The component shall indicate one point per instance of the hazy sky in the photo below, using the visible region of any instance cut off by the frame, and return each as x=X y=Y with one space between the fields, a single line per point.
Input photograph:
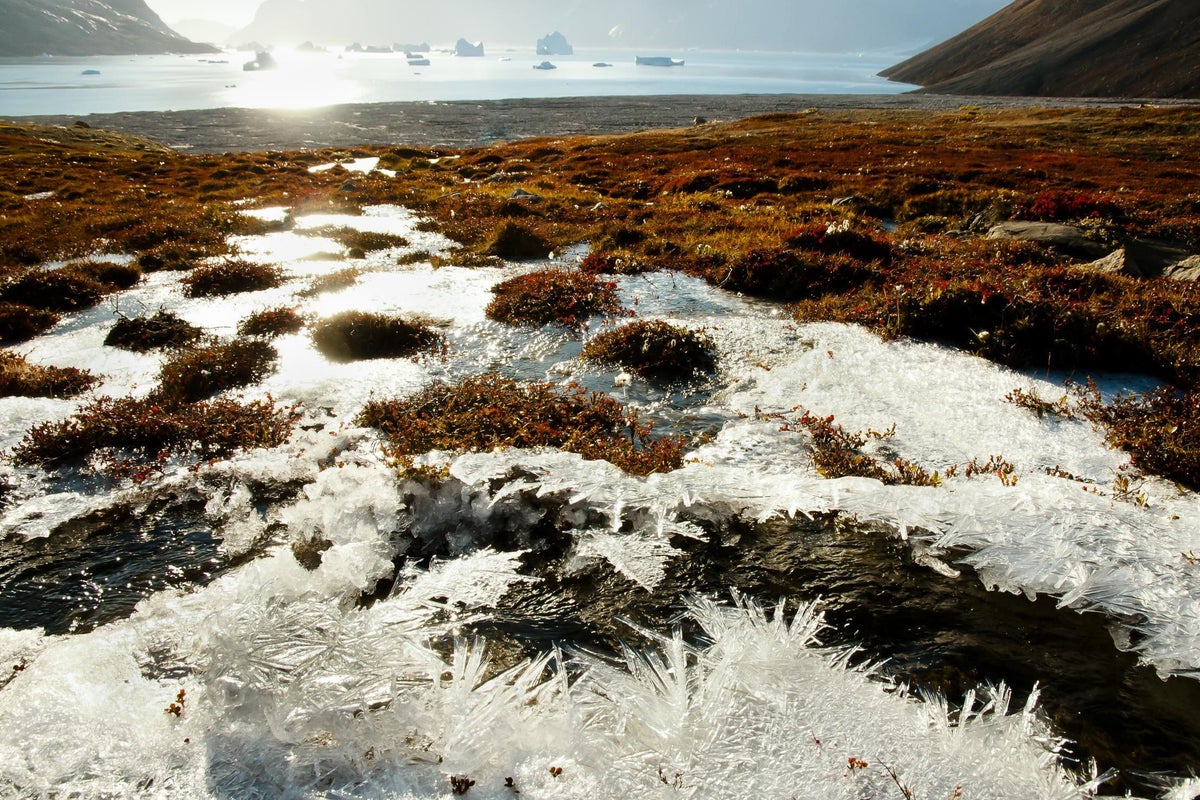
x=235 y=13
x=844 y=23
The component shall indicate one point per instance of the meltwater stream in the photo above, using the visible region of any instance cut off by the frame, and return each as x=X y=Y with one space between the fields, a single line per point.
x=324 y=628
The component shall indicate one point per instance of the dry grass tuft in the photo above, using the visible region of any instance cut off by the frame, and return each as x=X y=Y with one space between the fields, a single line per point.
x=134 y=437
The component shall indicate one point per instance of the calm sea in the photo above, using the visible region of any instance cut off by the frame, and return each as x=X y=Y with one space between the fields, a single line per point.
x=60 y=85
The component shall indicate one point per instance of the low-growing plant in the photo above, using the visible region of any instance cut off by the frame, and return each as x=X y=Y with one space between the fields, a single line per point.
x=133 y=436
x=838 y=453
x=272 y=322
x=561 y=296
x=482 y=413
x=515 y=242
x=1034 y=402
x=171 y=256
x=414 y=257
x=354 y=335
x=53 y=290
x=110 y=275
x=20 y=323
x=357 y=242
x=785 y=275
x=839 y=237
x=1160 y=430
x=141 y=334
x=201 y=371
x=654 y=349
x=231 y=276
x=19 y=378
x=331 y=282
x=996 y=465
x=1058 y=205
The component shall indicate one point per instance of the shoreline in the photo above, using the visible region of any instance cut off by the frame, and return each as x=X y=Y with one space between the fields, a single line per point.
x=466 y=123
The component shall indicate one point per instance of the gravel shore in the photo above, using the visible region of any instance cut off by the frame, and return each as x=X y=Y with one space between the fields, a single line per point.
x=466 y=123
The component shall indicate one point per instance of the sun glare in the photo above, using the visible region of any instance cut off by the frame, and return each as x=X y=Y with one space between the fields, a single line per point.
x=299 y=81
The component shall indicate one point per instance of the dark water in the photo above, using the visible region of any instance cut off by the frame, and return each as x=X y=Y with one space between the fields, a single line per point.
x=935 y=633
x=98 y=568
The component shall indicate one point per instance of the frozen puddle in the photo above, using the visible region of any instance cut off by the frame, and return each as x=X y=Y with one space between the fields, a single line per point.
x=303 y=665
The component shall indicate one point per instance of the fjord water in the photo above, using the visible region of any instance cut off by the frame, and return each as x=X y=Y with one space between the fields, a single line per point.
x=58 y=85
x=327 y=628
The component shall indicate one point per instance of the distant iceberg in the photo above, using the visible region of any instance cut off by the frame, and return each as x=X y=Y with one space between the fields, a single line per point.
x=464 y=48
x=262 y=60
x=554 y=44
x=658 y=61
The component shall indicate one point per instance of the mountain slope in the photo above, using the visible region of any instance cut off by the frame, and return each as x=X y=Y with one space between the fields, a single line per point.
x=85 y=28
x=1069 y=48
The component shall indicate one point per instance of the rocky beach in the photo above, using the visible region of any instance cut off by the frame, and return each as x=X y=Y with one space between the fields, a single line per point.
x=468 y=123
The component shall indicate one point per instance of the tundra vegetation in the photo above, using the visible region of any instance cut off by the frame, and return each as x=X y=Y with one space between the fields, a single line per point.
x=654 y=349
x=355 y=335
x=876 y=217
x=480 y=413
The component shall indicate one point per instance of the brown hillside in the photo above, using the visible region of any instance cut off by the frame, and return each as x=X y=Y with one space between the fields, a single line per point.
x=1069 y=48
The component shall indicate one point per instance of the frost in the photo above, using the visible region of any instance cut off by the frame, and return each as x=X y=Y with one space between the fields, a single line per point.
x=334 y=657
x=642 y=560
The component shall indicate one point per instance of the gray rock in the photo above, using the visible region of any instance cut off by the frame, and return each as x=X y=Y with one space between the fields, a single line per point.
x=1066 y=238
x=1115 y=263
x=522 y=194
x=1186 y=270
x=1145 y=258
x=1153 y=257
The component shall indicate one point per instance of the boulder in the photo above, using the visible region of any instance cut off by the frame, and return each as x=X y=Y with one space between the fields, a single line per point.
x=1116 y=263
x=1145 y=258
x=1186 y=270
x=1067 y=238
x=1154 y=256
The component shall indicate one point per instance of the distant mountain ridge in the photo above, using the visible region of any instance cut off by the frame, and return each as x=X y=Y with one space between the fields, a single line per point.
x=788 y=25
x=1069 y=48
x=87 y=28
